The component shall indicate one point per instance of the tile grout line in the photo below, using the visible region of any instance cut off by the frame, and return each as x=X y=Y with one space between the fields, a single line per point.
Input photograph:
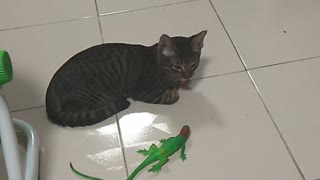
x=229 y=37
x=48 y=23
x=25 y=109
x=260 y=96
x=277 y=128
x=122 y=145
x=99 y=22
x=217 y=75
x=98 y=15
x=144 y=8
x=286 y=62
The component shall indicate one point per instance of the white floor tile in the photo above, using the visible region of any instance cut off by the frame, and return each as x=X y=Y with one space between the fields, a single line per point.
x=114 y=6
x=269 y=32
x=291 y=92
x=16 y=13
x=232 y=134
x=93 y=150
x=146 y=26
x=37 y=52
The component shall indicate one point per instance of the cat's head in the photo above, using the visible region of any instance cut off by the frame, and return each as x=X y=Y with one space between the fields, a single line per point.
x=179 y=57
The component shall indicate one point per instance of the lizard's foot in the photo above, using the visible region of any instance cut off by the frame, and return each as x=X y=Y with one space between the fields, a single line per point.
x=144 y=152
x=155 y=168
x=162 y=140
x=183 y=157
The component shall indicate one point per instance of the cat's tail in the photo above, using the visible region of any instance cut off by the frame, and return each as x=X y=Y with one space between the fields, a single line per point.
x=57 y=116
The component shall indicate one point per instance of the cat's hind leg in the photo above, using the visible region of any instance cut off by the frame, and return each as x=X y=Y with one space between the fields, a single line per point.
x=84 y=112
x=110 y=108
x=158 y=96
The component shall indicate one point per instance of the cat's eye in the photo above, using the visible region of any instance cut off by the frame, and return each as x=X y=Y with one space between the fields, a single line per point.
x=194 y=65
x=177 y=68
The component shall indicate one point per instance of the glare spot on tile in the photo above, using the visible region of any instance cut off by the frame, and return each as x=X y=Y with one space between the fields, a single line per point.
x=135 y=164
x=115 y=168
x=106 y=157
x=144 y=144
x=133 y=125
x=163 y=127
x=107 y=130
x=137 y=121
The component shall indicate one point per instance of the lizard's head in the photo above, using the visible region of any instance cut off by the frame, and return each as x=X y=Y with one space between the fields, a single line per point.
x=185 y=131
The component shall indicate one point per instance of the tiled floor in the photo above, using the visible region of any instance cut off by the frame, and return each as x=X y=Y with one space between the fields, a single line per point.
x=253 y=105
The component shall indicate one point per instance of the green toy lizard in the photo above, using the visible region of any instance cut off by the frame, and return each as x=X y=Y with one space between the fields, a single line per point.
x=169 y=146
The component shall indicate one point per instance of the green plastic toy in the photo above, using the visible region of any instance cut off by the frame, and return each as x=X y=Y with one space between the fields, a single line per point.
x=168 y=147
x=6 y=73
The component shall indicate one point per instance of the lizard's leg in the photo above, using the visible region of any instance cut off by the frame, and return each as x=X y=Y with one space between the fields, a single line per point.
x=145 y=152
x=157 y=167
x=165 y=140
x=158 y=96
x=182 y=154
x=162 y=140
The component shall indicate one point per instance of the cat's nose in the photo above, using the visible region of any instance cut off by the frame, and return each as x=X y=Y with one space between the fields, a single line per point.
x=186 y=75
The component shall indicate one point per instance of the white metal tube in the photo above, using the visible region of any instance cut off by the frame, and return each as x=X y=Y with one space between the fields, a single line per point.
x=9 y=142
x=32 y=156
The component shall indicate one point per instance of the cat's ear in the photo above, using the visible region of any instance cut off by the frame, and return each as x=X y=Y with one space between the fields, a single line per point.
x=197 y=41
x=165 y=46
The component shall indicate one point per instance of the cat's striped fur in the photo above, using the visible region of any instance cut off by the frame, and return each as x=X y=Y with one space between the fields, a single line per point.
x=95 y=83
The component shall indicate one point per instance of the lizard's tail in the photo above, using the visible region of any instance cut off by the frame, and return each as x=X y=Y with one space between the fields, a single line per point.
x=144 y=164
x=83 y=175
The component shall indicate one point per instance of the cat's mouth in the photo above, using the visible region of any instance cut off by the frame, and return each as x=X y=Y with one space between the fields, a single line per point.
x=183 y=82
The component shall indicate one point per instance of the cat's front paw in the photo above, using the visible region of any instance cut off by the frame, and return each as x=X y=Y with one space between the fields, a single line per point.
x=170 y=96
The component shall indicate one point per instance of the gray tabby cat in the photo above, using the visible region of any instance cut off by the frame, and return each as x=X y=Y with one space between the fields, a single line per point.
x=95 y=83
